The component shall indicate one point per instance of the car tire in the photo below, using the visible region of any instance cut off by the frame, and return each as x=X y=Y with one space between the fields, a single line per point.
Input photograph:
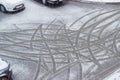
x=2 y=9
x=44 y=2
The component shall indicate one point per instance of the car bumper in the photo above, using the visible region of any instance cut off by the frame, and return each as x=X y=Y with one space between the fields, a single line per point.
x=54 y=1
x=5 y=73
x=6 y=76
x=16 y=8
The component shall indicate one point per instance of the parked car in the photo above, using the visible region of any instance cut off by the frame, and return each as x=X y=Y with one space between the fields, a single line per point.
x=5 y=73
x=45 y=2
x=11 y=5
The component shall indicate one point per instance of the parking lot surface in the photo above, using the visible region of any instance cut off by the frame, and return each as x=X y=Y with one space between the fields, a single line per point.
x=42 y=42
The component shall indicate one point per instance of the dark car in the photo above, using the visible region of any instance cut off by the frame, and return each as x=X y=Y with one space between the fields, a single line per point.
x=45 y=2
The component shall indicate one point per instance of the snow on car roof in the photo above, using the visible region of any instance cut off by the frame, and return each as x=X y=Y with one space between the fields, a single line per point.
x=104 y=1
x=3 y=64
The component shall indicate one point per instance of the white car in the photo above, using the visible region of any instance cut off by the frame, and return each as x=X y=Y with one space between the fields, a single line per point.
x=51 y=1
x=11 y=5
x=5 y=73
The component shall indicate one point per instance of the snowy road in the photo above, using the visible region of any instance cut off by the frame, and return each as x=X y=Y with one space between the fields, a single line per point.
x=103 y=1
x=21 y=45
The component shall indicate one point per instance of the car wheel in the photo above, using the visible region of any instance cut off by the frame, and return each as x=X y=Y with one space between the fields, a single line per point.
x=3 y=9
x=44 y=2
